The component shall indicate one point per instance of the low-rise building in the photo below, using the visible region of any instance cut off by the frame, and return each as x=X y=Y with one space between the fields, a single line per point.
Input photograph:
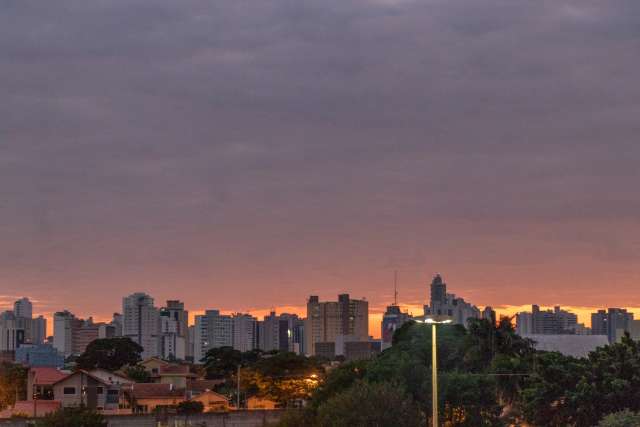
x=212 y=401
x=41 y=355
x=82 y=388
x=569 y=345
x=145 y=398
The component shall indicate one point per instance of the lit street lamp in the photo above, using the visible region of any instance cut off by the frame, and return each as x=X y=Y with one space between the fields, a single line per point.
x=434 y=320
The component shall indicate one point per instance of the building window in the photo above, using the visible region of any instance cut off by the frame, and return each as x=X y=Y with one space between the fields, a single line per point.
x=99 y=390
x=69 y=390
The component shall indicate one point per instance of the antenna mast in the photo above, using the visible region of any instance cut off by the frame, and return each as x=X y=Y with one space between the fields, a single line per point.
x=395 y=287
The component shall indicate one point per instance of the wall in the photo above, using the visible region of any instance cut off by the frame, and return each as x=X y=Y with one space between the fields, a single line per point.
x=232 y=419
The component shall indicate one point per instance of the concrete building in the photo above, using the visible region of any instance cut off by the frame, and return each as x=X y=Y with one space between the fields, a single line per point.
x=174 y=324
x=245 y=333
x=568 y=344
x=326 y=320
x=12 y=335
x=548 y=322
x=607 y=322
x=173 y=346
x=633 y=329
x=63 y=323
x=38 y=330
x=40 y=355
x=23 y=308
x=489 y=314
x=445 y=304
x=212 y=330
x=83 y=333
x=392 y=319
x=141 y=322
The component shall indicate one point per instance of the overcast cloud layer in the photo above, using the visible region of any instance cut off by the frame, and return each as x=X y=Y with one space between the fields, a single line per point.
x=244 y=154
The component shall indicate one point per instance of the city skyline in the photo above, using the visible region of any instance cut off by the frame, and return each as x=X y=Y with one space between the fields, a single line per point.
x=375 y=311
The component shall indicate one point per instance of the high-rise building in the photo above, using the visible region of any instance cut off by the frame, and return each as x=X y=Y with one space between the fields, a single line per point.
x=12 y=336
x=445 y=304
x=245 y=333
x=63 y=325
x=72 y=335
x=326 y=320
x=489 y=314
x=173 y=346
x=392 y=319
x=610 y=322
x=174 y=331
x=38 y=330
x=23 y=308
x=212 y=330
x=548 y=322
x=141 y=322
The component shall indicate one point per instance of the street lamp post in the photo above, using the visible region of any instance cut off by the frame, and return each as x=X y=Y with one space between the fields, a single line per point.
x=433 y=321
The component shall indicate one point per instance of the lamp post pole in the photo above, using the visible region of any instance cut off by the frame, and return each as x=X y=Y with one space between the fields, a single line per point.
x=434 y=321
x=434 y=375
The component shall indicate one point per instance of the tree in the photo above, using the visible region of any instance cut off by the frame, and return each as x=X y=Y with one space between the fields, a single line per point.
x=222 y=362
x=72 y=417
x=110 y=354
x=138 y=373
x=190 y=407
x=624 y=418
x=365 y=404
x=13 y=384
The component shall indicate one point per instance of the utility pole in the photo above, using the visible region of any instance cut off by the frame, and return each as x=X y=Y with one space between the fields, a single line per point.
x=238 y=397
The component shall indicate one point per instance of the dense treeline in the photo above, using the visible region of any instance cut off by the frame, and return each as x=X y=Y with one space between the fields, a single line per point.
x=488 y=375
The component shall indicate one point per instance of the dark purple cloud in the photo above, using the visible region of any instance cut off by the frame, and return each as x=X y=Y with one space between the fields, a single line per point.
x=210 y=150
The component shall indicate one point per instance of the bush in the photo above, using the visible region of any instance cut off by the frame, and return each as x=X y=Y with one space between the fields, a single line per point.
x=624 y=418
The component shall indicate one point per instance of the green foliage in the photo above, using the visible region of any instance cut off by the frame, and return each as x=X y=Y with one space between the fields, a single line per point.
x=13 y=383
x=624 y=418
x=110 y=354
x=365 y=404
x=580 y=392
x=222 y=362
x=282 y=377
x=138 y=373
x=72 y=417
x=190 y=407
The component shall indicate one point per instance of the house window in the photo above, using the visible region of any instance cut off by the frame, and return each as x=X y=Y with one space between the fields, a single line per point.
x=69 y=390
x=99 y=390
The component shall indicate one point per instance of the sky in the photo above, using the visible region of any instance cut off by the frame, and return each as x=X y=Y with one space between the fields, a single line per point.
x=243 y=155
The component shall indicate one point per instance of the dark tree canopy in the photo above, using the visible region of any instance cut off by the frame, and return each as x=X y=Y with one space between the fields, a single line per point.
x=190 y=407
x=13 y=383
x=110 y=353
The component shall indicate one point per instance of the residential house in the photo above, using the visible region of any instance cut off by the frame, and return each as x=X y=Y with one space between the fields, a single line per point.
x=212 y=401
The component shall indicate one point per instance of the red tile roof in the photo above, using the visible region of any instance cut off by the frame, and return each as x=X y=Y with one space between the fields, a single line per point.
x=149 y=390
x=46 y=376
x=200 y=386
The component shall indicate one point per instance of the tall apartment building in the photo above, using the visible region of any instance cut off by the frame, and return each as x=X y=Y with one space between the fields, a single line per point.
x=12 y=336
x=392 y=319
x=608 y=322
x=245 y=332
x=23 y=308
x=35 y=330
x=327 y=320
x=141 y=322
x=174 y=331
x=445 y=304
x=63 y=324
x=548 y=322
x=72 y=335
x=212 y=330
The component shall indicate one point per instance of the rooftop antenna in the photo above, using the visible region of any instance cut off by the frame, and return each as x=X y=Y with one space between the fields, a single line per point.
x=395 y=287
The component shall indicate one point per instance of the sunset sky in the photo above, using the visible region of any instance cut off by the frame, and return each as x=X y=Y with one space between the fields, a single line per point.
x=243 y=154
